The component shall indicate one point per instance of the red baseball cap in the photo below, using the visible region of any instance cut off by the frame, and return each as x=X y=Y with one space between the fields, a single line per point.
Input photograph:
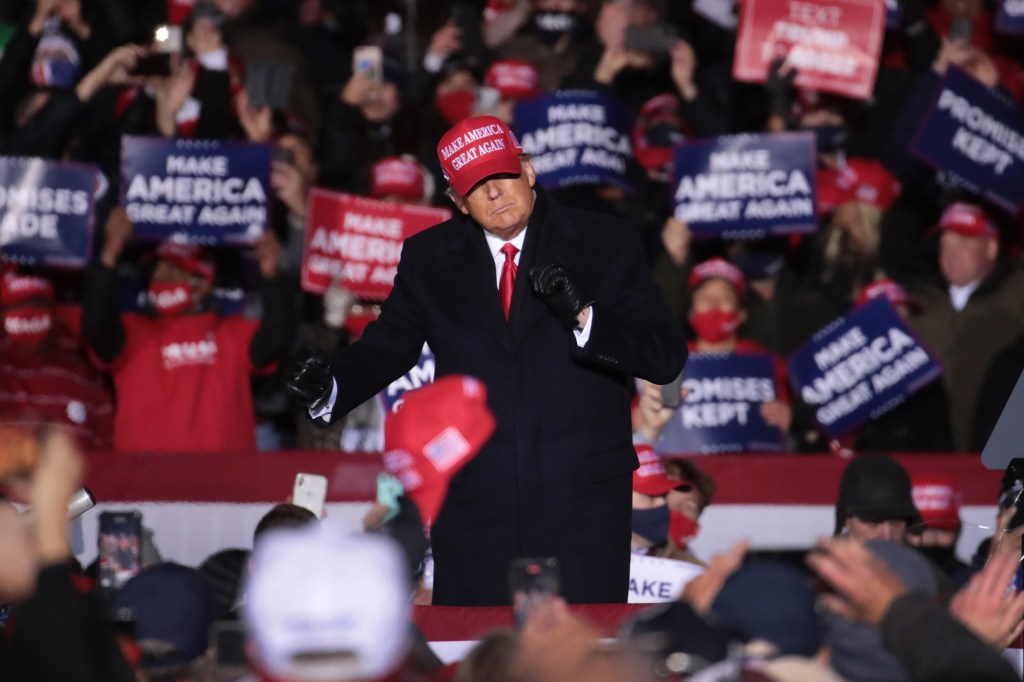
x=188 y=257
x=650 y=479
x=658 y=127
x=513 y=79
x=968 y=220
x=436 y=431
x=937 y=500
x=896 y=294
x=397 y=176
x=15 y=288
x=475 y=148
x=864 y=180
x=719 y=268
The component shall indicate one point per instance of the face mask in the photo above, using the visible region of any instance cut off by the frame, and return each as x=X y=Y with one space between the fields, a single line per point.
x=939 y=556
x=715 y=326
x=170 y=298
x=455 y=105
x=651 y=524
x=553 y=25
x=682 y=529
x=829 y=138
x=28 y=325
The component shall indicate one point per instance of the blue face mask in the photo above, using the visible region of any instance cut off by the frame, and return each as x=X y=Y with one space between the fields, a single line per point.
x=652 y=524
x=830 y=138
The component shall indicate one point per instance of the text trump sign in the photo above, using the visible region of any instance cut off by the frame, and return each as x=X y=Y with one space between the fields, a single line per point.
x=359 y=241
x=833 y=44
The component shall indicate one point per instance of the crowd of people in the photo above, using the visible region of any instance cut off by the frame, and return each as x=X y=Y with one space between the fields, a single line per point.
x=884 y=599
x=161 y=321
x=167 y=347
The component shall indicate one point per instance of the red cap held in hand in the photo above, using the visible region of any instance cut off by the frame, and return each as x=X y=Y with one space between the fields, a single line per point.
x=437 y=430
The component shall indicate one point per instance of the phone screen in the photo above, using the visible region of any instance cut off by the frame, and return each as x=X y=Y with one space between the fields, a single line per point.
x=368 y=59
x=531 y=582
x=120 y=542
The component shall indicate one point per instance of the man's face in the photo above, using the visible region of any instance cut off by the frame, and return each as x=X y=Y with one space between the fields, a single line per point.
x=889 y=529
x=501 y=203
x=964 y=260
x=382 y=103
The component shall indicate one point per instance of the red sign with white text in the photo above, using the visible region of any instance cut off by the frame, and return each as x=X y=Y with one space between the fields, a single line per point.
x=833 y=44
x=359 y=241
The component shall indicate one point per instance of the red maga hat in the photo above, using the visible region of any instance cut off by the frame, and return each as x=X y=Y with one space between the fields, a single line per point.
x=476 y=148
x=513 y=79
x=719 y=268
x=937 y=500
x=896 y=294
x=435 y=432
x=15 y=288
x=397 y=176
x=650 y=478
x=968 y=220
x=864 y=180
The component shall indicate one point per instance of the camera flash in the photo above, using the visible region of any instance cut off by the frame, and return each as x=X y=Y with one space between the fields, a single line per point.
x=161 y=34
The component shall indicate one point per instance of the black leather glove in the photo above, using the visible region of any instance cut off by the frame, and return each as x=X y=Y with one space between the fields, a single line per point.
x=309 y=379
x=779 y=87
x=563 y=296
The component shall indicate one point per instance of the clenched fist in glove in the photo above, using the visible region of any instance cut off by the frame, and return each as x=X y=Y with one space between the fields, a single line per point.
x=564 y=297
x=309 y=379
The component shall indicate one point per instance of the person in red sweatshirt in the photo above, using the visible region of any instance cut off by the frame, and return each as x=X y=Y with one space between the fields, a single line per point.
x=42 y=380
x=181 y=371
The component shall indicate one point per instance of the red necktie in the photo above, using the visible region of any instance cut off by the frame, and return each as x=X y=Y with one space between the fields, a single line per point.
x=508 y=276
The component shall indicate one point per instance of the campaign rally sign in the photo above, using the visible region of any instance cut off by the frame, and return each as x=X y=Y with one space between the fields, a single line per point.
x=198 y=191
x=576 y=137
x=860 y=366
x=977 y=137
x=417 y=377
x=833 y=44
x=653 y=580
x=1010 y=16
x=746 y=186
x=359 y=241
x=46 y=211
x=722 y=412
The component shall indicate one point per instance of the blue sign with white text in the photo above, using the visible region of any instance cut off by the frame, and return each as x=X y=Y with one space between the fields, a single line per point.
x=746 y=186
x=199 y=191
x=417 y=377
x=722 y=412
x=860 y=366
x=46 y=212
x=576 y=137
x=977 y=137
x=1010 y=16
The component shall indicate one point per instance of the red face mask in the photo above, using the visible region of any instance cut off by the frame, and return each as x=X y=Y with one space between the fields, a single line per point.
x=455 y=105
x=170 y=298
x=28 y=325
x=715 y=326
x=681 y=529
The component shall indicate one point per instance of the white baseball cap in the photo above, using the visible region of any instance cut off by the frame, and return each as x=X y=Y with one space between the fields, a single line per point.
x=326 y=607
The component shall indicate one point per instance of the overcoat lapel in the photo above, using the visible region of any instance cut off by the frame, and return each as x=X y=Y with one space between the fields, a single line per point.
x=550 y=238
x=472 y=269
